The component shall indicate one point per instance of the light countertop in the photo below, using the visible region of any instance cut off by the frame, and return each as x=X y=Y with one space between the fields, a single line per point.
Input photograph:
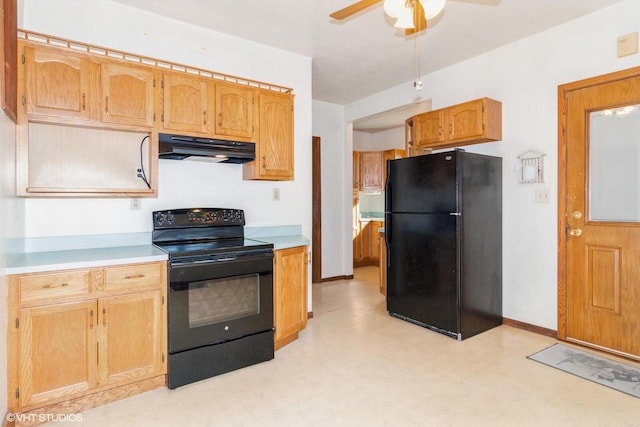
x=35 y=262
x=70 y=252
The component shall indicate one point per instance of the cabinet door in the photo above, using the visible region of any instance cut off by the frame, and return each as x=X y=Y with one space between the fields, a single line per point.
x=185 y=103
x=130 y=340
x=57 y=352
x=127 y=94
x=365 y=233
x=56 y=84
x=274 y=150
x=371 y=170
x=374 y=240
x=427 y=129
x=235 y=111
x=465 y=120
x=290 y=293
x=390 y=155
x=356 y=171
x=357 y=240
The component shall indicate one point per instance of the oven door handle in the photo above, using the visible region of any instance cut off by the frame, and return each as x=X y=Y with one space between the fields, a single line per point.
x=201 y=262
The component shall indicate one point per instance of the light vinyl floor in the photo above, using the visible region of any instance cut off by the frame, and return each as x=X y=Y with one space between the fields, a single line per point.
x=354 y=365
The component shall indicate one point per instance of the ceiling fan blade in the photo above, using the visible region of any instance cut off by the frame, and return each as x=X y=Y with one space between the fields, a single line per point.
x=353 y=9
x=419 y=20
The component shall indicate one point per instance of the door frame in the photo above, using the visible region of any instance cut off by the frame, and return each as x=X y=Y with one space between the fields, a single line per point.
x=563 y=91
x=316 y=222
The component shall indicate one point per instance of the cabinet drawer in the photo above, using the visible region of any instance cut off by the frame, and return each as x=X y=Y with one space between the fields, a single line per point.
x=46 y=286
x=133 y=276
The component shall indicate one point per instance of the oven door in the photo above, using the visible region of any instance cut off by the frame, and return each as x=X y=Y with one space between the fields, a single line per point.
x=221 y=299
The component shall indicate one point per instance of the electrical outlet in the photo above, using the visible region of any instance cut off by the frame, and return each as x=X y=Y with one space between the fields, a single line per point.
x=138 y=173
x=543 y=195
x=276 y=194
x=135 y=203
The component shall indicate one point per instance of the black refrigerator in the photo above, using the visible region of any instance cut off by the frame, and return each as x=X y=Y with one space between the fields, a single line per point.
x=443 y=229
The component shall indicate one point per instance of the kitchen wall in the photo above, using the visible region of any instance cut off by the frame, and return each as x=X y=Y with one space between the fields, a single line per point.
x=186 y=183
x=525 y=76
x=328 y=124
x=11 y=232
x=379 y=141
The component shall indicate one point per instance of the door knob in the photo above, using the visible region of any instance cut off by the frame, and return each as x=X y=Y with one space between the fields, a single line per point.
x=577 y=215
x=575 y=232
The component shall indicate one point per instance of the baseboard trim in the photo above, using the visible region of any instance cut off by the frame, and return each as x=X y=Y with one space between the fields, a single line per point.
x=529 y=327
x=335 y=278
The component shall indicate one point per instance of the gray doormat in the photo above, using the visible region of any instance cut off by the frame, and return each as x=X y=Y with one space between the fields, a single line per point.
x=615 y=375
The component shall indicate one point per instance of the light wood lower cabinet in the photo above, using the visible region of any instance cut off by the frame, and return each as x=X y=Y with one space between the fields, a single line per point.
x=290 y=293
x=57 y=352
x=96 y=343
x=367 y=242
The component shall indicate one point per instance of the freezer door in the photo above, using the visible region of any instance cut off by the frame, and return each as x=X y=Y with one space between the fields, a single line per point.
x=422 y=184
x=422 y=280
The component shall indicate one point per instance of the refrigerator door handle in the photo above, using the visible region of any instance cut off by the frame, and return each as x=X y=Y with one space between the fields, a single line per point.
x=455 y=213
x=387 y=230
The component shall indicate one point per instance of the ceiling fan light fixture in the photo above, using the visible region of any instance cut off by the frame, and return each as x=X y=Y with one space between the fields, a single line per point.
x=432 y=8
x=393 y=8
x=405 y=20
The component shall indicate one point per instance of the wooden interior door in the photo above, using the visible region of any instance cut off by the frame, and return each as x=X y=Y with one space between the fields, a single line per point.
x=599 y=213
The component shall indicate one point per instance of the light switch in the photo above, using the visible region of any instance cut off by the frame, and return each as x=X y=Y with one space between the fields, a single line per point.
x=627 y=44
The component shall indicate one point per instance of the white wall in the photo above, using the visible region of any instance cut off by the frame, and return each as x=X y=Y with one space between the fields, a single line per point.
x=379 y=141
x=328 y=124
x=525 y=76
x=186 y=183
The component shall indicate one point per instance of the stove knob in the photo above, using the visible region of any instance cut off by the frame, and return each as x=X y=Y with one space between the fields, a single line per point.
x=160 y=218
x=170 y=218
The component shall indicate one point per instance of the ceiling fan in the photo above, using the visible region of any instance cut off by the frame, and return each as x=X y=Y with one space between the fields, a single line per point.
x=412 y=15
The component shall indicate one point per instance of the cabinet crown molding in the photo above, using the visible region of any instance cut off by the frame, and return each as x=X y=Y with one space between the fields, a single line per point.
x=75 y=46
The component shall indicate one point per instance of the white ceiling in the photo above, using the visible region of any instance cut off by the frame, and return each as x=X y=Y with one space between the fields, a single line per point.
x=365 y=53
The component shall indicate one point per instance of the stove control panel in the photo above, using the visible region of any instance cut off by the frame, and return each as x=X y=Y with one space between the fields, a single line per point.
x=210 y=217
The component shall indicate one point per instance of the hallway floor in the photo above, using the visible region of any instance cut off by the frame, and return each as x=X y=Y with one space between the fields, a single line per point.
x=354 y=365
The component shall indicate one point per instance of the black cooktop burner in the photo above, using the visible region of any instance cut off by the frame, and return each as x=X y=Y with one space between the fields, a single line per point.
x=183 y=249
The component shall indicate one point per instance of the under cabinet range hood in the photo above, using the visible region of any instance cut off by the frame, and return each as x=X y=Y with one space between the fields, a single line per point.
x=180 y=147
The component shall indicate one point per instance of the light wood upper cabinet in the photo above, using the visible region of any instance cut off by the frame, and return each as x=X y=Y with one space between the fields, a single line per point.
x=471 y=122
x=58 y=352
x=274 y=146
x=187 y=103
x=236 y=111
x=428 y=129
x=356 y=171
x=127 y=94
x=290 y=293
x=390 y=155
x=56 y=83
x=371 y=171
